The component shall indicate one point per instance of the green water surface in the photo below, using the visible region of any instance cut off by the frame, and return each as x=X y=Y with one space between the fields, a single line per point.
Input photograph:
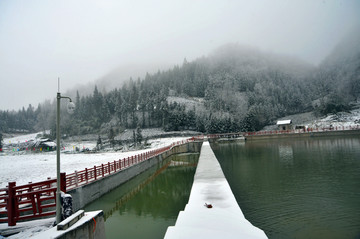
x=147 y=205
x=306 y=188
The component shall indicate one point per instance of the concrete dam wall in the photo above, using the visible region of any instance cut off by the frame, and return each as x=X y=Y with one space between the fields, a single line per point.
x=89 y=192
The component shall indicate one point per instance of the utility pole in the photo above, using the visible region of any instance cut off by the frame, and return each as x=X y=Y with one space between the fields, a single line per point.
x=70 y=107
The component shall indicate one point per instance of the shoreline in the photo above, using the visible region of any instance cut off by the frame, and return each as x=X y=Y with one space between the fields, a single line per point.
x=303 y=135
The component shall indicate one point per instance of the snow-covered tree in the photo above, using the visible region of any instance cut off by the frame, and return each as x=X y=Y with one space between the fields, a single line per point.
x=1 y=142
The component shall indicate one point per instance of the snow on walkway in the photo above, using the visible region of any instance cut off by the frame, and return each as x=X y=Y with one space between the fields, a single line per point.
x=35 y=167
x=224 y=219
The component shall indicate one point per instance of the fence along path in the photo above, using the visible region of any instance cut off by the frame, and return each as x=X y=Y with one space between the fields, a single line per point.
x=88 y=175
x=35 y=200
x=30 y=201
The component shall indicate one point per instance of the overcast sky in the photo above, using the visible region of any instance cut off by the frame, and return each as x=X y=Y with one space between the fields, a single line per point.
x=80 y=41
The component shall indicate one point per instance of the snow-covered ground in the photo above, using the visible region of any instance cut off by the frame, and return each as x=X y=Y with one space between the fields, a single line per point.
x=21 y=138
x=189 y=103
x=340 y=119
x=35 y=167
x=24 y=167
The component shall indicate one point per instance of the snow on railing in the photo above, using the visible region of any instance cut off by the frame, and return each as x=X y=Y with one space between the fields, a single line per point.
x=88 y=175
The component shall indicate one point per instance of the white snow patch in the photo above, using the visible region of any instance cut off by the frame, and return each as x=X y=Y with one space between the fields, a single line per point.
x=35 y=167
x=21 y=138
x=190 y=103
x=283 y=122
x=337 y=120
x=27 y=229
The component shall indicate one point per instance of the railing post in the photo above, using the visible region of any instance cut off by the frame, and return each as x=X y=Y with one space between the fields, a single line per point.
x=86 y=175
x=102 y=170
x=76 y=179
x=63 y=182
x=114 y=165
x=29 y=190
x=11 y=210
x=95 y=172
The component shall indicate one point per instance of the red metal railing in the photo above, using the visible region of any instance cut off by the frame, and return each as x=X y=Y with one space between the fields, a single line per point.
x=88 y=175
x=33 y=200
x=36 y=200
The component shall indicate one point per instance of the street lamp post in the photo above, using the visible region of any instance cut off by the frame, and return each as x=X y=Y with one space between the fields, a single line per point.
x=58 y=194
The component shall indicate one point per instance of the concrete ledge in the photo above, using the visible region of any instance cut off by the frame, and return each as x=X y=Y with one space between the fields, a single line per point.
x=91 y=226
x=68 y=222
x=224 y=219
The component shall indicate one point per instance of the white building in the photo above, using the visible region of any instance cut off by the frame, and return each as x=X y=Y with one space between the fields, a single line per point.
x=284 y=124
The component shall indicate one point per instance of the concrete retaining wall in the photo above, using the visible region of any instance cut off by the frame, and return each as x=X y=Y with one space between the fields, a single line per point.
x=88 y=193
x=304 y=135
x=90 y=226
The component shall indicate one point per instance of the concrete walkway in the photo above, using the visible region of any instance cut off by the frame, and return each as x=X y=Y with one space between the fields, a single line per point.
x=224 y=218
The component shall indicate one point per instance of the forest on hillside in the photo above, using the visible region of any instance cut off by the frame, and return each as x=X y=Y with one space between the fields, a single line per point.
x=238 y=89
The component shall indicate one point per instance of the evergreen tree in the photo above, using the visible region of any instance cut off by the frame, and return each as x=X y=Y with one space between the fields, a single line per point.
x=99 y=143
x=139 y=136
x=111 y=137
x=134 y=137
x=1 y=144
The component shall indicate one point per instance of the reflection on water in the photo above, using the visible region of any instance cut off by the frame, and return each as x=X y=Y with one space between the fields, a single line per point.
x=286 y=154
x=305 y=188
x=145 y=206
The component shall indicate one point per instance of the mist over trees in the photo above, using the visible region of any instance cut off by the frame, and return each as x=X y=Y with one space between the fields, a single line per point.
x=337 y=79
x=234 y=89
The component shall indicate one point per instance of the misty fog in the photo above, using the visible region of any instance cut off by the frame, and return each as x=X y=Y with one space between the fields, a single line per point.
x=85 y=42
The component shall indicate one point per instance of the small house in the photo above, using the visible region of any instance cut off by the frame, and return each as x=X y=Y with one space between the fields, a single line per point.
x=284 y=124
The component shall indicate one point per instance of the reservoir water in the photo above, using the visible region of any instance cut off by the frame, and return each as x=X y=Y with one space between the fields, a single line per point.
x=148 y=204
x=296 y=188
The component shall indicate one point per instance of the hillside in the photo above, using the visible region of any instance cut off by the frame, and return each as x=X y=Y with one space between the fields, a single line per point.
x=235 y=88
x=336 y=81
